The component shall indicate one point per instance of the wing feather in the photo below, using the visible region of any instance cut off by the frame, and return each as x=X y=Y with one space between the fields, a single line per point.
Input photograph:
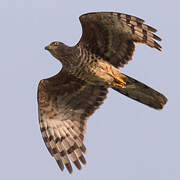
x=112 y=35
x=65 y=103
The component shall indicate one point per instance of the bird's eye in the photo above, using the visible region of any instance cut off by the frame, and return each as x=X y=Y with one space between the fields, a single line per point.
x=56 y=43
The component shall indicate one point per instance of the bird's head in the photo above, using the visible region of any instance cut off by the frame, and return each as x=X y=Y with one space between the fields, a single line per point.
x=58 y=50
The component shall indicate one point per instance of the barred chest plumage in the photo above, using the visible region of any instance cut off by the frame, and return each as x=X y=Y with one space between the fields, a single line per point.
x=91 y=68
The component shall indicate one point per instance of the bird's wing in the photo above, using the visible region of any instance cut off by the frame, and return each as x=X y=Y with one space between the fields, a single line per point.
x=65 y=103
x=112 y=36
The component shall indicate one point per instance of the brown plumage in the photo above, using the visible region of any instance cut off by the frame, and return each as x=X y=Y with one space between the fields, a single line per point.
x=89 y=69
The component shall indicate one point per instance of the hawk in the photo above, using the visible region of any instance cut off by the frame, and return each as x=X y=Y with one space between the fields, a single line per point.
x=66 y=100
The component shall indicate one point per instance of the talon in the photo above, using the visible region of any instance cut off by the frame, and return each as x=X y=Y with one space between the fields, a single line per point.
x=119 y=83
x=122 y=86
x=122 y=81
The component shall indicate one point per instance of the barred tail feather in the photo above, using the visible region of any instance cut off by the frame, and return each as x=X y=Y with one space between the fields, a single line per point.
x=142 y=93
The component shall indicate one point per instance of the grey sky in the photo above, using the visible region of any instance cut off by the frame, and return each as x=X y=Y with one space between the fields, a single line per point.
x=125 y=139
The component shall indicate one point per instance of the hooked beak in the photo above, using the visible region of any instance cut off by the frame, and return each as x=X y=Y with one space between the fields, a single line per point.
x=47 y=48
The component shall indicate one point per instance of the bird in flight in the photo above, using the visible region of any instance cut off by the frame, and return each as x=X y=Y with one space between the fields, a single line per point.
x=90 y=68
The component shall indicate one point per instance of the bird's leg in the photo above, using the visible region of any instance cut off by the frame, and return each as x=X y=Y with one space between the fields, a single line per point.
x=119 y=82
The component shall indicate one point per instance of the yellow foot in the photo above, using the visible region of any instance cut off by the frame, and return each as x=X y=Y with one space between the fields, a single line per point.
x=119 y=83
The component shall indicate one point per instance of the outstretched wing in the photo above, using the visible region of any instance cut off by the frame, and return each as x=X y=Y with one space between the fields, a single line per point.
x=65 y=103
x=112 y=36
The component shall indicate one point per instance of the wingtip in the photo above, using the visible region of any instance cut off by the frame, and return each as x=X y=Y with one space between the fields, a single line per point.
x=157 y=46
x=69 y=168
x=77 y=164
x=82 y=159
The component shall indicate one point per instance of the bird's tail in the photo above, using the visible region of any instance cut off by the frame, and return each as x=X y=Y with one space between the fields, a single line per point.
x=141 y=93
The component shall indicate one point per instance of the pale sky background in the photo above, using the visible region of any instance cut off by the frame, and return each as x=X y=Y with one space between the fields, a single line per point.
x=125 y=140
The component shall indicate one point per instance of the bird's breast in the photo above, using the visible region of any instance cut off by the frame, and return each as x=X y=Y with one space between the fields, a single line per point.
x=94 y=71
